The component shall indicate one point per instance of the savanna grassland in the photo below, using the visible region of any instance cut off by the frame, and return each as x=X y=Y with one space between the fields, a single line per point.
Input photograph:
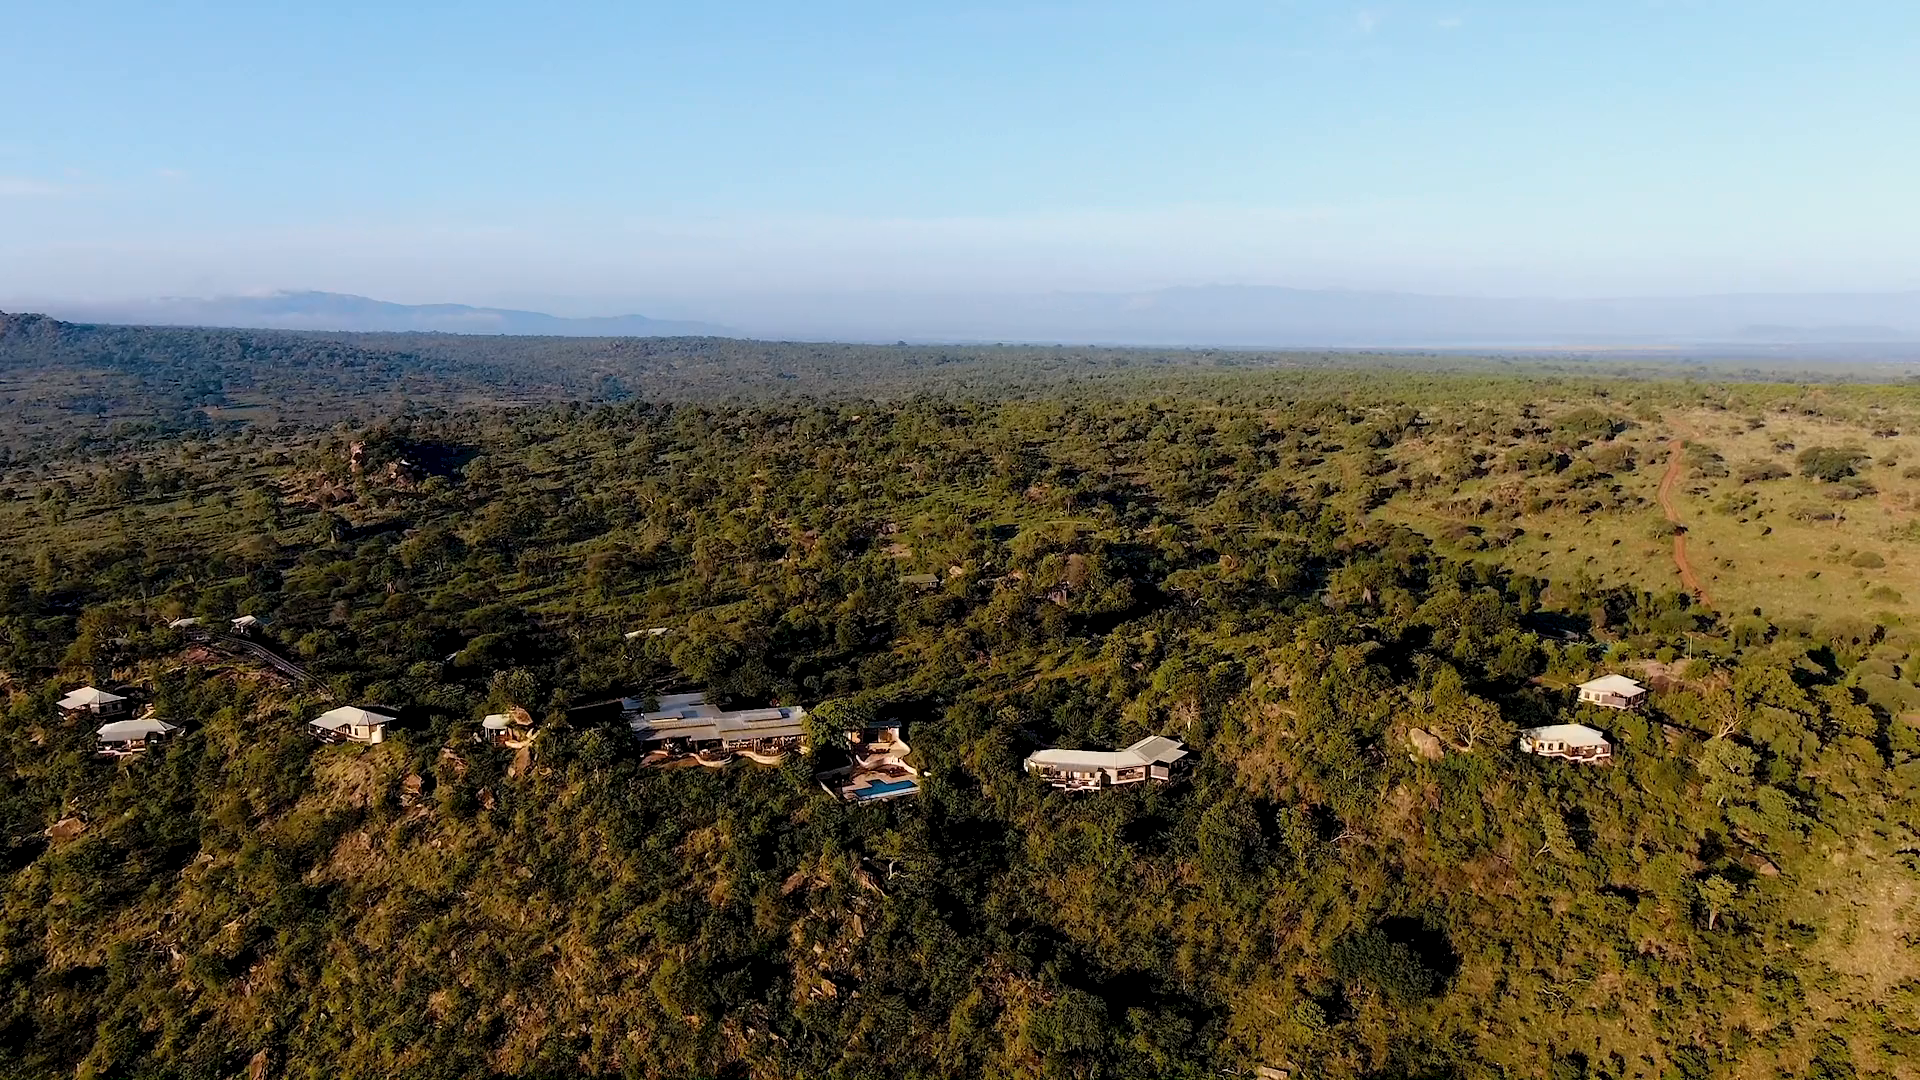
x=1288 y=561
x=1762 y=532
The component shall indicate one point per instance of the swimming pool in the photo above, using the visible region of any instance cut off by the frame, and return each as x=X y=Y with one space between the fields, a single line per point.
x=881 y=791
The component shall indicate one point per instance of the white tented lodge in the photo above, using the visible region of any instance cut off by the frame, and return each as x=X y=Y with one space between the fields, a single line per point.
x=1613 y=692
x=1152 y=758
x=1573 y=742
x=350 y=723
x=91 y=701
x=123 y=737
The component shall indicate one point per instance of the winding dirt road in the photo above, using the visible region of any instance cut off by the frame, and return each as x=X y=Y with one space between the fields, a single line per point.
x=1676 y=461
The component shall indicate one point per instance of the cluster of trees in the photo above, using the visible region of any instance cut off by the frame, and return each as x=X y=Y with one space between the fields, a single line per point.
x=1200 y=563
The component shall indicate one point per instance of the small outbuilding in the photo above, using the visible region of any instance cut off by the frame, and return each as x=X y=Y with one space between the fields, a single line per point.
x=350 y=723
x=123 y=737
x=248 y=625
x=1572 y=742
x=90 y=701
x=1613 y=692
x=512 y=729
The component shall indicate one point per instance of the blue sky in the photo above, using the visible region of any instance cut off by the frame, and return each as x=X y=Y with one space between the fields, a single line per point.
x=579 y=155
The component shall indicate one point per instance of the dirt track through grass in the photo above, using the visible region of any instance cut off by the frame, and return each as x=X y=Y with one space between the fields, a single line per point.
x=1676 y=463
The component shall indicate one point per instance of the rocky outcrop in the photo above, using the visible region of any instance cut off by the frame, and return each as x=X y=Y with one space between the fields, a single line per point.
x=1426 y=747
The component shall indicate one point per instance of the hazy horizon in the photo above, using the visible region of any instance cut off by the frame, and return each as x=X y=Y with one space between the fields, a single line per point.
x=1232 y=316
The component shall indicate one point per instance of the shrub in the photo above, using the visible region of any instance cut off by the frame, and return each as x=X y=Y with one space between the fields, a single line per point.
x=1873 y=665
x=1588 y=422
x=1887 y=694
x=1391 y=967
x=1829 y=463
x=1611 y=457
x=1706 y=461
x=1867 y=560
x=1534 y=459
x=1074 y=1022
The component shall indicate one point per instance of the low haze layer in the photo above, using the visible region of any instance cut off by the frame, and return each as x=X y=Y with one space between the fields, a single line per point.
x=1225 y=316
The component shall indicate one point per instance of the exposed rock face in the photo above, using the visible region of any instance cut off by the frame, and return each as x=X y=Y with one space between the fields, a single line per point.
x=66 y=829
x=1425 y=745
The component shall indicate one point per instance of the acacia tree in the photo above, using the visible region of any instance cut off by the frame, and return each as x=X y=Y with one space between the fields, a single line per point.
x=1727 y=769
x=1716 y=893
x=1557 y=840
x=1829 y=463
x=1726 y=712
x=827 y=723
x=1475 y=720
x=1463 y=719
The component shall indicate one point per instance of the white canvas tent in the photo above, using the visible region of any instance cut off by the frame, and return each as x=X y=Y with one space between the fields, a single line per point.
x=89 y=699
x=350 y=723
x=1613 y=692
x=1573 y=742
x=133 y=736
x=513 y=728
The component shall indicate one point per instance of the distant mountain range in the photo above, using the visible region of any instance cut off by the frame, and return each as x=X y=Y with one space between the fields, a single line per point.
x=341 y=311
x=1259 y=316
x=1216 y=315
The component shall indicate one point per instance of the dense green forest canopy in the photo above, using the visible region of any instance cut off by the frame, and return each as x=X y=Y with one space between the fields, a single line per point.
x=65 y=386
x=1196 y=553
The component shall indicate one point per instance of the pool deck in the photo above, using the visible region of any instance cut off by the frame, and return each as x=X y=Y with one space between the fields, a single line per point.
x=879 y=786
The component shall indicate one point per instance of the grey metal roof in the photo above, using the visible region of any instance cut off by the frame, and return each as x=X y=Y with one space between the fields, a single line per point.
x=87 y=697
x=1152 y=750
x=1158 y=749
x=125 y=730
x=350 y=716
x=689 y=716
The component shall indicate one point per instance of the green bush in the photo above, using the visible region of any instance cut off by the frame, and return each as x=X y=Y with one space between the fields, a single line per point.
x=1830 y=463
x=1759 y=471
x=1371 y=958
